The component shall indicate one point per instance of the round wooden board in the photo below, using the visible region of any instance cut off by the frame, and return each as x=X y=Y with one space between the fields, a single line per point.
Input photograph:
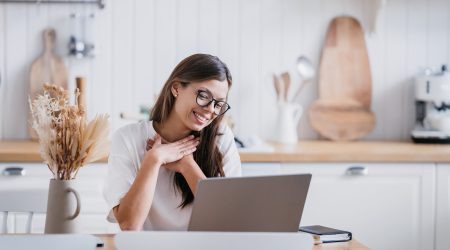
x=341 y=121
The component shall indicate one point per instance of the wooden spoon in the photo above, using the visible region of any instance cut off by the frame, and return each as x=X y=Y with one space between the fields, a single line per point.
x=277 y=86
x=286 y=77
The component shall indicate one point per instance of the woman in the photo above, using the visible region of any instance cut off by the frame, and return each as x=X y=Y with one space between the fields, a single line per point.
x=154 y=166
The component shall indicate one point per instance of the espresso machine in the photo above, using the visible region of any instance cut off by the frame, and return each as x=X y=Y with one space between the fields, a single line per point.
x=432 y=94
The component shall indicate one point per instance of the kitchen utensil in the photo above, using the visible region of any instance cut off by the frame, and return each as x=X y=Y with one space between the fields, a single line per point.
x=276 y=85
x=81 y=41
x=81 y=100
x=279 y=87
x=286 y=81
x=343 y=109
x=345 y=70
x=47 y=68
x=307 y=73
x=305 y=67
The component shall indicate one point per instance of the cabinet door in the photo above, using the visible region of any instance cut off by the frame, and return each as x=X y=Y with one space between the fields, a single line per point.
x=34 y=176
x=443 y=207
x=385 y=206
x=10 y=223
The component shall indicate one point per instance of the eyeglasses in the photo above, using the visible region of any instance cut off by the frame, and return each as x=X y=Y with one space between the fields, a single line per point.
x=204 y=99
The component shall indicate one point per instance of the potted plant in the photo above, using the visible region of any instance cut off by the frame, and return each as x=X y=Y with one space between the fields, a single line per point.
x=67 y=143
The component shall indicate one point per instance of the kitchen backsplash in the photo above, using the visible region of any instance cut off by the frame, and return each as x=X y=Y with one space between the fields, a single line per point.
x=139 y=42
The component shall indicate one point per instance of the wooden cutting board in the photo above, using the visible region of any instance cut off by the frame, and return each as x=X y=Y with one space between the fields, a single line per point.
x=345 y=87
x=47 y=68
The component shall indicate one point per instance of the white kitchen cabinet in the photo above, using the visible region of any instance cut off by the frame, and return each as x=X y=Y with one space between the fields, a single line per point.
x=386 y=206
x=89 y=184
x=443 y=207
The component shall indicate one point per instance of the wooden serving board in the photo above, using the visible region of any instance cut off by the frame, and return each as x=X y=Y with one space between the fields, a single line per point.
x=345 y=87
x=341 y=121
x=47 y=68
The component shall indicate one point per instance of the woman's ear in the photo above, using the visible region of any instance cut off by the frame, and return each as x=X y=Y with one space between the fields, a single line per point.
x=174 y=89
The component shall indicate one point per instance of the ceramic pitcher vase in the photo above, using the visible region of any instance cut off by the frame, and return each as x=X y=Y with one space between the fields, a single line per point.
x=63 y=207
x=288 y=116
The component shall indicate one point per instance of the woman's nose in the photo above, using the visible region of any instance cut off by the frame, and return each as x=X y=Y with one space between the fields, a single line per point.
x=210 y=107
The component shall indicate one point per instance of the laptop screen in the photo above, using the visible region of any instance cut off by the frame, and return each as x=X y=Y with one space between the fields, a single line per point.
x=250 y=204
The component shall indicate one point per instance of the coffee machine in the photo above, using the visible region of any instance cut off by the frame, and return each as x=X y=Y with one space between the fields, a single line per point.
x=432 y=94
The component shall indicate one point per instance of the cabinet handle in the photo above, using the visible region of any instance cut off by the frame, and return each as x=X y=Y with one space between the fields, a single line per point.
x=357 y=171
x=14 y=171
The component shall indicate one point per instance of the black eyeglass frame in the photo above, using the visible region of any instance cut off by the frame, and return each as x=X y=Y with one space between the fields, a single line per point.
x=211 y=99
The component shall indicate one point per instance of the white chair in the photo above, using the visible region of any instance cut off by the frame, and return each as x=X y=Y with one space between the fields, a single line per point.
x=28 y=201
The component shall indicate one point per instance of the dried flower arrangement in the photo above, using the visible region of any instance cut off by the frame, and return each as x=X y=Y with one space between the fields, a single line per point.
x=67 y=141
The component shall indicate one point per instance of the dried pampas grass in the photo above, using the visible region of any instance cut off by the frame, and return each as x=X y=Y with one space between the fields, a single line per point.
x=67 y=141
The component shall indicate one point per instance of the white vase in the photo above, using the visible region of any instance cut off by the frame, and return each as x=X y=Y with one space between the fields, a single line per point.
x=288 y=116
x=63 y=207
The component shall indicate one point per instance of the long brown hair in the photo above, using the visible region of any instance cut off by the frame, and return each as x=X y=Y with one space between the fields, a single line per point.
x=195 y=68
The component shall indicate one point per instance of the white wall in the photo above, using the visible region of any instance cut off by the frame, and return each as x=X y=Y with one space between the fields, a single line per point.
x=140 y=42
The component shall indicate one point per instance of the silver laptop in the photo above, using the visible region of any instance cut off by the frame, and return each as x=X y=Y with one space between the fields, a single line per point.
x=250 y=204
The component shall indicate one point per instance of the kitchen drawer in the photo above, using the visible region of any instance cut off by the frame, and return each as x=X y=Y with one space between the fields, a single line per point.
x=35 y=175
x=10 y=223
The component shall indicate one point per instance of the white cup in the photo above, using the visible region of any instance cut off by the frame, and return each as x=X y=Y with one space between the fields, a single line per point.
x=439 y=122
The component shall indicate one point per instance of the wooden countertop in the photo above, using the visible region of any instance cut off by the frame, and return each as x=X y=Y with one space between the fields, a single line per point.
x=108 y=239
x=361 y=151
x=304 y=151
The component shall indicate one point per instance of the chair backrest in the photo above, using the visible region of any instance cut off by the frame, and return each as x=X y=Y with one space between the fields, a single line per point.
x=28 y=201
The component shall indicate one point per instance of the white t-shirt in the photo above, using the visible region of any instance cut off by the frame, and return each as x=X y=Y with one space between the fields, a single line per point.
x=126 y=154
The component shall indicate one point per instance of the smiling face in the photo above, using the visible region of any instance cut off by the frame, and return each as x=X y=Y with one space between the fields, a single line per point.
x=186 y=109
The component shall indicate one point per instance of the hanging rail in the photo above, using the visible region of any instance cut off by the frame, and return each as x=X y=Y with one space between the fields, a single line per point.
x=100 y=3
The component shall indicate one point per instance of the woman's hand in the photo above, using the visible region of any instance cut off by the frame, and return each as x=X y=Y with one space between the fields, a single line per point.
x=184 y=163
x=186 y=166
x=171 y=152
